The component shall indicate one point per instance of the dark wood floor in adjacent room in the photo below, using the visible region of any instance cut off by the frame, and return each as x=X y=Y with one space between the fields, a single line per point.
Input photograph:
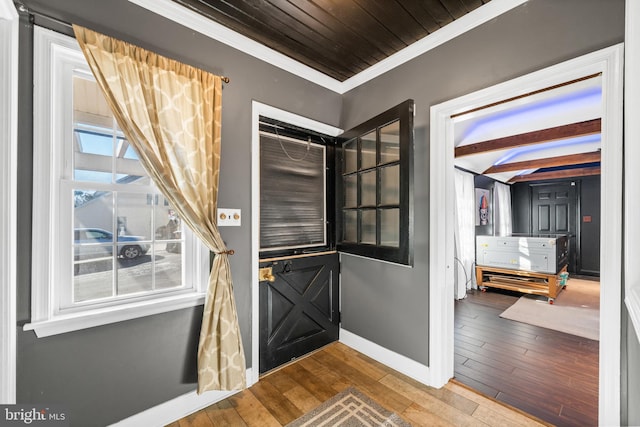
x=549 y=374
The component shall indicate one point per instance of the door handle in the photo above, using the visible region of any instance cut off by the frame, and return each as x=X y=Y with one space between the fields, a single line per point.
x=266 y=273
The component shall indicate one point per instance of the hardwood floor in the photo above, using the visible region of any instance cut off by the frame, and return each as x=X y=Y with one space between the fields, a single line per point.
x=546 y=373
x=286 y=394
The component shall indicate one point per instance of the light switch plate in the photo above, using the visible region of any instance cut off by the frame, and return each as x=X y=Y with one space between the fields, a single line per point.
x=229 y=217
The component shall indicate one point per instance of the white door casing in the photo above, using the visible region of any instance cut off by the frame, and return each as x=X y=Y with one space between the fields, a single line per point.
x=441 y=259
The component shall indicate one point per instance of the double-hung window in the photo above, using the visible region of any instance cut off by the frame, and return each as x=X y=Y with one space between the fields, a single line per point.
x=107 y=246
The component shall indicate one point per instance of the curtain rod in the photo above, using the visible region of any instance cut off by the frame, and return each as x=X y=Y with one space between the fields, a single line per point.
x=23 y=9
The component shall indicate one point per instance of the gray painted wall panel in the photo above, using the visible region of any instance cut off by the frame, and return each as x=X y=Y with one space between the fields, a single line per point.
x=537 y=34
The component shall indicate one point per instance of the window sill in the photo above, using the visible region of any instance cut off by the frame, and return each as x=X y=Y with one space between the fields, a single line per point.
x=61 y=324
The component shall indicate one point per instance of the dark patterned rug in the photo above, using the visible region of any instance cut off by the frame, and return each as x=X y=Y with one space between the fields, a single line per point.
x=349 y=408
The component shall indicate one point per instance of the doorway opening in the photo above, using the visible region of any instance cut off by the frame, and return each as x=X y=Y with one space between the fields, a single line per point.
x=608 y=63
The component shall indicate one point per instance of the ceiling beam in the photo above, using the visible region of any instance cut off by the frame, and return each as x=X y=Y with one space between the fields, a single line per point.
x=550 y=162
x=564 y=173
x=572 y=130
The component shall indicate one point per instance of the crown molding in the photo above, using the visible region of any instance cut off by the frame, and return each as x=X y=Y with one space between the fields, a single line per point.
x=209 y=28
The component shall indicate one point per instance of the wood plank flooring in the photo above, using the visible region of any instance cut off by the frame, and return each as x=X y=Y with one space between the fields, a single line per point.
x=286 y=394
x=549 y=374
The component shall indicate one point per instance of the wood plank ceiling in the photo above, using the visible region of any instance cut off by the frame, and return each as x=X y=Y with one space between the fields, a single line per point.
x=336 y=37
x=341 y=38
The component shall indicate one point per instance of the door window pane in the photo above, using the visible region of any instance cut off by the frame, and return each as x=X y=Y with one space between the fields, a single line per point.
x=390 y=143
x=368 y=227
x=368 y=188
x=390 y=185
x=350 y=163
x=351 y=191
x=390 y=227
x=368 y=150
x=350 y=226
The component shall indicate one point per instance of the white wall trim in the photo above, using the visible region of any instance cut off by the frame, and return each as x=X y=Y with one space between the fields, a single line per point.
x=400 y=363
x=209 y=28
x=259 y=109
x=632 y=157
x=609 y=62
x=175 y=409
x=8 y=199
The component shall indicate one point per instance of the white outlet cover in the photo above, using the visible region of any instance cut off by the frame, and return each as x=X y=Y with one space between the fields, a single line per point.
x=229 y=217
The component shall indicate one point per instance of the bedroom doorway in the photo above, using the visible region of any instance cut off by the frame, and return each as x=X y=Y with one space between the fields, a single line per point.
x=607 y=64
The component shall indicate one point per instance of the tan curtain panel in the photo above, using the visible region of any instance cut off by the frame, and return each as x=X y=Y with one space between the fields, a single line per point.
x=170 y=113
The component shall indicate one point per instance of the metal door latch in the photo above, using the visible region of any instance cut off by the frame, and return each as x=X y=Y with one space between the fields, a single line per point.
x=266 y=273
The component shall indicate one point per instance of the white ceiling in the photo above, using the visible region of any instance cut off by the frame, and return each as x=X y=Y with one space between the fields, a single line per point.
x=577 y=102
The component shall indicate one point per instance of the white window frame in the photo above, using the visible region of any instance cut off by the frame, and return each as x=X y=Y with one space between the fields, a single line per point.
x=8 y=198
x=56 y=58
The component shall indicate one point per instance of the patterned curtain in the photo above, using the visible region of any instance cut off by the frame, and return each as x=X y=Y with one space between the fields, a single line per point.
x=170 y=113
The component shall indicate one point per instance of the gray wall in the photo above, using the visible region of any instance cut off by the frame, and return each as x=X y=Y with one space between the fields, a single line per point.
x=107 y=373
x=388 y=304
x=631 y=375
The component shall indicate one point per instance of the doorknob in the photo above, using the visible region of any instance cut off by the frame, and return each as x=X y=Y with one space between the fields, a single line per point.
x=266 y=273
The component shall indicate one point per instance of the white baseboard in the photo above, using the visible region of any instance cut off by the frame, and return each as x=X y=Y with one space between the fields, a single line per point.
x=175 y=409
x=400 y=363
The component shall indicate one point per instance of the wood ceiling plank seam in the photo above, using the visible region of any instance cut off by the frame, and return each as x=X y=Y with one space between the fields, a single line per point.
x=266 y=35
x=342 y=33
x=455 y=8
x=421 y=15
x=440 y=13
x=300 y=33
x=323 y=28
x=344 y=13
x=588 y=127
x=471 y=5
x=290 y=39
x=402 y=25
x=571 y=159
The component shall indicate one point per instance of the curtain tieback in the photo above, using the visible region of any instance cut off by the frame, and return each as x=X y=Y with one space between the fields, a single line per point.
x=227 y=252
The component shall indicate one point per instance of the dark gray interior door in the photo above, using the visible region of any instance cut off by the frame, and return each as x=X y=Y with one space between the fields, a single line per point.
x=554 y=211
x=299 y=308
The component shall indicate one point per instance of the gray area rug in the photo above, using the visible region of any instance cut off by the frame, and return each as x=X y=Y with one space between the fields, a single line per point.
x=575 y=311
x=349 y=408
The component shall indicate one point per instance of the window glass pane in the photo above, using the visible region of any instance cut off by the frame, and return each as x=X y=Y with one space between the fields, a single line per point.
x=368 y=226
x=351 y=191
x=350 y=161
x=133 y=218
x=368 y=150
x=390 y=227
x=390 y=185
x=168 y=264
x=93 y=157
x=390 y=143
x=92 y=277
x=368 y=188
x=350 y=226
x=93 y=249
x=93 y=210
